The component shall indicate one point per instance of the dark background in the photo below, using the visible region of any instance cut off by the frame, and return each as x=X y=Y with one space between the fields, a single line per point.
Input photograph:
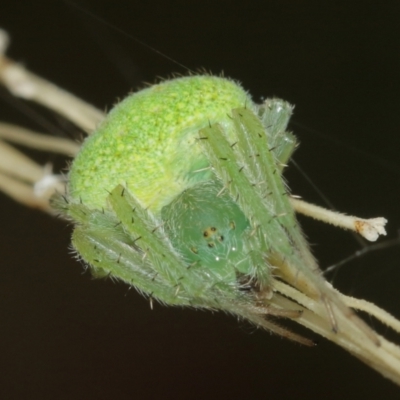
x=65 y=336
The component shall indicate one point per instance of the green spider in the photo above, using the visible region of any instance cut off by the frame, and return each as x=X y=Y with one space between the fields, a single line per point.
x=179 y=193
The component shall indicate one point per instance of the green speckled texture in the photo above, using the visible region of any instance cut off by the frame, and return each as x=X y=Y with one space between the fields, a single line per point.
x=148 y=142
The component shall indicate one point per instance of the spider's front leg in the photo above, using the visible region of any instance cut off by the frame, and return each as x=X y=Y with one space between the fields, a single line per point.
x=259 y=189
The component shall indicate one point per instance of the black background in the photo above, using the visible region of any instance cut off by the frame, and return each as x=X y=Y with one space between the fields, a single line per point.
x=65 y=336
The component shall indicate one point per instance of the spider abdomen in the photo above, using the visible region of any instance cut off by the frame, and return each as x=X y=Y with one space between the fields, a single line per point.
x=148 y=141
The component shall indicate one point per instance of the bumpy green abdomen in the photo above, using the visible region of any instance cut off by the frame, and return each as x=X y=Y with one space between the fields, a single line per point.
x=148 y=142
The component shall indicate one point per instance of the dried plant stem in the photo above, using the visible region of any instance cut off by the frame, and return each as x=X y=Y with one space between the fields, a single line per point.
x=24 y=84
x=370 y=228
x=384 y=357
x=38 y=141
